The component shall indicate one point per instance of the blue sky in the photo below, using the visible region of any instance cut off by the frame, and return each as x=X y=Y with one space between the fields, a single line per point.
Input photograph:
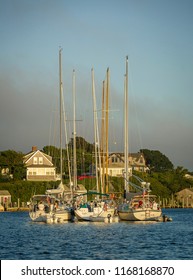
x=155 y=34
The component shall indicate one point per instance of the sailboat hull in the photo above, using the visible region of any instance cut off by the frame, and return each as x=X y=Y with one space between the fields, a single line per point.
x=63 y=215
x=139 y=215
x=98 y=215
x=52 y=217
x=39 y=216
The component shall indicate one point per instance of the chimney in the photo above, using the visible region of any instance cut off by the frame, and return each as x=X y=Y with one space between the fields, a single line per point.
x=34 y=148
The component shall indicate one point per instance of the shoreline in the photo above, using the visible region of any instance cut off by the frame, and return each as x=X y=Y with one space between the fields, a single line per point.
x=16 y=209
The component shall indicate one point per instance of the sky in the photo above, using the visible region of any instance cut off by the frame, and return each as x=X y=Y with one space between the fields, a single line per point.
x=158 y=39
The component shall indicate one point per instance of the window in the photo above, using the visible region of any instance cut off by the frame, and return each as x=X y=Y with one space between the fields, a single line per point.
x=141 y=160
x=35 y=160
x=40 y=160
x=34 y=171
x=114 y=159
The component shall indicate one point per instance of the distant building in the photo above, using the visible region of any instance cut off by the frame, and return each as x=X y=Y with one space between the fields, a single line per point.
x=116 y=161
x=5 y=199
x=185 y=197
x=39 y=166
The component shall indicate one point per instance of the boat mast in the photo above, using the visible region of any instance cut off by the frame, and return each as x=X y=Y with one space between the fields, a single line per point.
x=107 y=128
x=66 y=140
x=102 y=139
x=74 y=132
x=126 y=130
x=96 y=133
x=60 y=86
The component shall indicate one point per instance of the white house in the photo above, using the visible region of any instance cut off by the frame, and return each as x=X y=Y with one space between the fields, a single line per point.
x=39 y=166
x=136 y=162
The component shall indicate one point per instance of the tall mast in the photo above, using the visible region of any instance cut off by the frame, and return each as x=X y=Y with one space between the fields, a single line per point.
x=126 y=130
x=107 y=129
x=74 y=132
x=66 y=140
x=102 y=139
x=60 y=86
x=96 y=134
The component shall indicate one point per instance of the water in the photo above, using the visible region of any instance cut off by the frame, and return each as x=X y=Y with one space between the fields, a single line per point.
x=22 y=239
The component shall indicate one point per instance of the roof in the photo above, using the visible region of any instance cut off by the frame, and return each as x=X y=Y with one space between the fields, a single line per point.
x=40 y=166
x=121 y=155
x=30 y=155
x=4 y=192
x=80 y=187
x=61 y=188
x=185 y=192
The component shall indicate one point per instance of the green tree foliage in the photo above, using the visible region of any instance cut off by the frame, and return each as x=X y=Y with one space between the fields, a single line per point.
x=164 y=179
x=157 y=161
x=25 y=189
x=84 y=155
x=81 y=144
x=14 y=162
x=175 y=180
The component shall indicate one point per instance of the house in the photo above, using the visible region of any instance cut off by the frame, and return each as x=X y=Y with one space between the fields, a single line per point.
x=39 y=166
x=185 y=197
x=5 y=199
x=116 y=161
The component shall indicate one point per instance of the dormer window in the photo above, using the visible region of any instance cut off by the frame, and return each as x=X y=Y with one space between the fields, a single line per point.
x=114 y=159
x=141 y=159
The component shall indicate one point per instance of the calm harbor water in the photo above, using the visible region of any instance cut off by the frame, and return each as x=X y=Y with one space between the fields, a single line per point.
x=21 y=239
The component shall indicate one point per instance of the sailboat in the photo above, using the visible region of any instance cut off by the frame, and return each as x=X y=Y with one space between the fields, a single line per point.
x=139 y=206
x=53 y=207
x=98 y=210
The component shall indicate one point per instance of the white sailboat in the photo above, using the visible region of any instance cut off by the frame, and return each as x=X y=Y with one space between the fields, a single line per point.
x=141 y=206
x=97 y=210
x=48 y=209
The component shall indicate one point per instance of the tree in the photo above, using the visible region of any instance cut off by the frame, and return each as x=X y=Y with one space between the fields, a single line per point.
x=14 y=162
x=84 y=154
x=157 y=161
x=81 y=144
